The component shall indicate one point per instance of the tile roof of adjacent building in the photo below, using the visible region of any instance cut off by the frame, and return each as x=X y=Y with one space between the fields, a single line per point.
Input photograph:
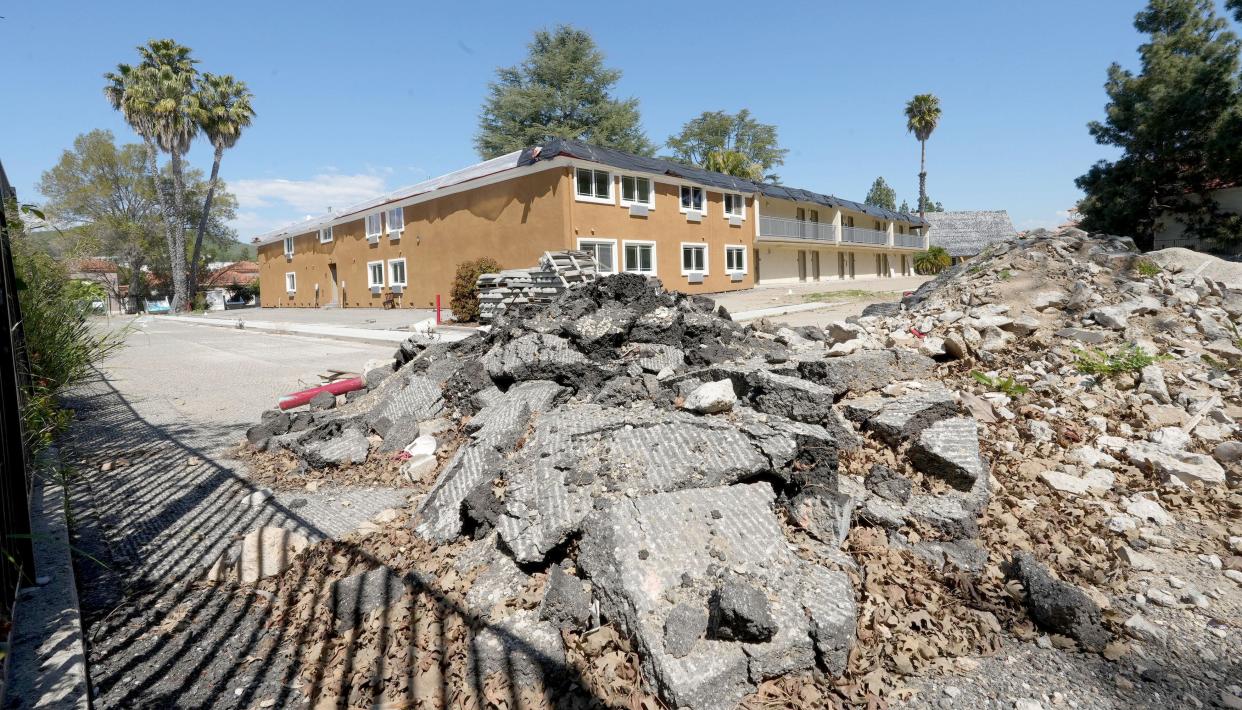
x=564 y=147
x=91 y=265
x=236 y=274
x=967 y=232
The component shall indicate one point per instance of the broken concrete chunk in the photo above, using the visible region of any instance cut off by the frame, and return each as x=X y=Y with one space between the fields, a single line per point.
x=1176 y=466
x=565 y=603
x=1059 y=607
x=866 y=371
x=895 y=419
x=261 y=553
x=334 y=443
x=355 y=597
x=791 y=397
x=888 y=484
x=521 y=647
x=539 y=356
x=740 y=611
x=685 y=625
x=407 y=397
x=949 y=449
x=322 y=401
x=711 y=398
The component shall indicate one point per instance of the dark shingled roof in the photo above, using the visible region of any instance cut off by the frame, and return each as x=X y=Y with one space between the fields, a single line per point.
x=966 y=233
x=659 y=166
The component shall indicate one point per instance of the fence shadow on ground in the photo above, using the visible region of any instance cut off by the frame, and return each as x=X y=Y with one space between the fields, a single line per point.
x=160 y=637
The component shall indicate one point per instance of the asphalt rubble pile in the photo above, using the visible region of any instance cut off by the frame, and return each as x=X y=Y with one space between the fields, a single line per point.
x=708 y=489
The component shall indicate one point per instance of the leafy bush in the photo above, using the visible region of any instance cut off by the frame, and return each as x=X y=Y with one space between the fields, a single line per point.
x=61 y=344
x=1131 y=358
x=464 y=299
x=1008 y=385
x=932 y=261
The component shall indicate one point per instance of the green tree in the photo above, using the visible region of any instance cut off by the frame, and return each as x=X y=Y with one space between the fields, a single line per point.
x=922 y=117
x=1178 y=122
x=905 y=207
x=716 y=133
x=930 y=205
x=735 y=163
x=224 y=111
x=562 y=89
x=881 y=195
x=158 y=99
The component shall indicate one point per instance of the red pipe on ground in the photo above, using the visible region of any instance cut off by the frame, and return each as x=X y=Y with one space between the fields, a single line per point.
x=297 y=399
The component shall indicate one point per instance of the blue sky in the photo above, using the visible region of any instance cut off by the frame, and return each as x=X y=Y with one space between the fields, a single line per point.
x=354 y=98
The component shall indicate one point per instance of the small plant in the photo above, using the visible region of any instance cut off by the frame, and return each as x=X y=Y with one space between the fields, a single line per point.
x=464 y=300
x=1005 y=275
x=1146 y=268
x=1007 y=385
x=1131 y=358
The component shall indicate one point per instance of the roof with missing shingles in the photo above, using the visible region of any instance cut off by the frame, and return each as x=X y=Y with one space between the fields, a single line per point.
x=967 y=232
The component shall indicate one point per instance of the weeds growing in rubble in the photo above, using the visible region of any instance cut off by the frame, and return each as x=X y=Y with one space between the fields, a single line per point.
x=1131 y=358
x=1146 y=268
x=1007 y=385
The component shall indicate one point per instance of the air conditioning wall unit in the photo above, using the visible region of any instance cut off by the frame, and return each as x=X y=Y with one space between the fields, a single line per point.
x=735 y=221
x=373 y=239
x=736 y=276
x=375 y=290
x=639 y=210
x=693 y=216
x=397 y=288
x=695 y=278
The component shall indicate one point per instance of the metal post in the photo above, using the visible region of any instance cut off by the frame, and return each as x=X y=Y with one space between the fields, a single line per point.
x=437 y=309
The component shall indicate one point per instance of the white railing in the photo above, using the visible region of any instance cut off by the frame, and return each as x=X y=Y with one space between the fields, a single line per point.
x=912 y=241
x=859 y=235
x=782 y=228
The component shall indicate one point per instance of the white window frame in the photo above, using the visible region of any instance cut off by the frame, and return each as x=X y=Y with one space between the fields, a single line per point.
x=738 y=248
x=639 y=243
x=291 y=282
x=288 y=246
x=596 y=240
x=609 y=200
x=738 y=197
x=405 y=273
x=325 y=235
x=371 y=273
x=681 y=258
x=702 y=191
x=651 y=190
x=388 y=213
x=379 y=225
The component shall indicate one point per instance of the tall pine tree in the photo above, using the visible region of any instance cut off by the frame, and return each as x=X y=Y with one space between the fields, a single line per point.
x=881 y=195
x=563 y=90
x=1179 y=123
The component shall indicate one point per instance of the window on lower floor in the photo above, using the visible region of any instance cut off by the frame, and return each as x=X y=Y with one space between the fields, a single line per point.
x=604 y=253
x=594 y=185
x=375 y=274
x=291 y=282
x=640 y=258
x=734 y=205
x=694 y=258
x=735 y=259
x=636 y=191
x=691 y=199
x=396 y=272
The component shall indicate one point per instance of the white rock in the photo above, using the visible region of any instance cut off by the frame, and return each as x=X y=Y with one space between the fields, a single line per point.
x=841 y=331
x=1091 y=457
x=261 y=553
x=1152 y=377
x=1048 y=299
x=1040 y=430
x=932 y=346
x=1170 y=437
x=1235 y=544
x=711 y=398
x=1121 y=523
x=1234 y=574
x=1027 y=704
x=416 y=468
x=1161 y=597
x=1135 y=559
x=422 y=446
x=1212 y=561
x=1182 y=466
x=1140 y=628
x=1145 y=508
x=258 y=497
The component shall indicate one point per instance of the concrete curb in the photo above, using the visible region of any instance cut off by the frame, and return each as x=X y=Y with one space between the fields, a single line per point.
x=47 y=653
x=333 y=332
x=758 y=313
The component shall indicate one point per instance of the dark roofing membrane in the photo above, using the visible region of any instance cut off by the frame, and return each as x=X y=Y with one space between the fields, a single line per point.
x=658 y=166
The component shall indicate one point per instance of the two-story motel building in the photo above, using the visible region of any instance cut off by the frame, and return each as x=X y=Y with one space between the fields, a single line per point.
x=697 y=231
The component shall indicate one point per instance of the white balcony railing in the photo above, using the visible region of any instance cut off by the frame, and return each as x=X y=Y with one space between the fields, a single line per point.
x=859 y=235
x=781 y=227
x=911 y=241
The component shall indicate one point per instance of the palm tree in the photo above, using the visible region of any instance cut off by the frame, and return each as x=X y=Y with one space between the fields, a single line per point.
x=922 y=116
x=932 y=261
x=735 y=163
x=223 y=111
x=158 y=100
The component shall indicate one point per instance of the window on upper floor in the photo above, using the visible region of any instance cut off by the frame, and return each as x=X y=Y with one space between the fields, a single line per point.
x=693 y=259
x=288 y=246
x=396 y=272
x=375 y=274
x=604 y=252
x=640 y=258
x=636 y=191
x=593 y=185
x=291 y=282
x=375 y=225
x=734 y=205
x=692 y=199
x=325 y=235
x=396 y=222
x=735 y=259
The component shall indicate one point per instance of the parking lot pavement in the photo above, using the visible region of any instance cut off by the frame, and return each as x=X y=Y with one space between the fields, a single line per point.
x=369 y=318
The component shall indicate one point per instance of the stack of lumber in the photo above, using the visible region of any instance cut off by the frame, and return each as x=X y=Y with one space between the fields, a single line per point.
x=557 y=271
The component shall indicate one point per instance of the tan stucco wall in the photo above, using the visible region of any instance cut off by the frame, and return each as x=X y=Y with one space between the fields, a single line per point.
x=778 y=263
x=513 y=221
x=668 y=227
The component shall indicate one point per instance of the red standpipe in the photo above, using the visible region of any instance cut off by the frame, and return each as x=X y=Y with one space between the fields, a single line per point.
x=297 y=399
x=437 y=309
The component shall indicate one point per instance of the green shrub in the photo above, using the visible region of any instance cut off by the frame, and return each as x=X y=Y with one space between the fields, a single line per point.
x=932 y=261
x=464 y=300
x=1131 y=358
x=1008 y=385
x=1146 y=268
